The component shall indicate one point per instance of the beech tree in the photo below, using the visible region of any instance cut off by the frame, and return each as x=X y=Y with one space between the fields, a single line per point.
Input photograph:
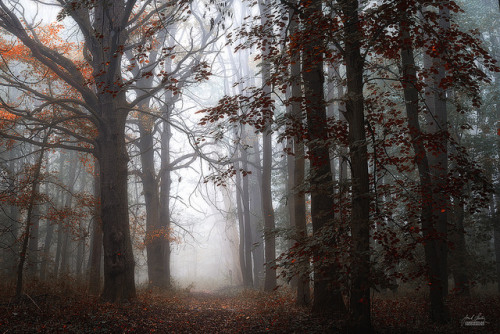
x=360 y=224
x=34 y=188
x=363 y=46
x=422 y=26
x=100 y=98
x=297 y=191
x=185 y=65
x=267 y=202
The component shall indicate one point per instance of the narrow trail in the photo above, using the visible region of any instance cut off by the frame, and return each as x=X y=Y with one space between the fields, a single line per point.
x=184 y=312
x=233 y=311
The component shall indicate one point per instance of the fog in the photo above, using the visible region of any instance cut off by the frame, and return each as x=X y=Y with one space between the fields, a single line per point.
x=334 y=152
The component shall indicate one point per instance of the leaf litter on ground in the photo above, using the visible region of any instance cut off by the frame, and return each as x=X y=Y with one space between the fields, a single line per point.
x=234 y=311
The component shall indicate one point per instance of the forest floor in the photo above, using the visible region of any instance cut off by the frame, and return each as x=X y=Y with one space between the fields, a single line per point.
x=228 y=311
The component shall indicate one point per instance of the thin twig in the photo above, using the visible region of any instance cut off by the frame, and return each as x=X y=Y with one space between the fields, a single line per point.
x=33 y=301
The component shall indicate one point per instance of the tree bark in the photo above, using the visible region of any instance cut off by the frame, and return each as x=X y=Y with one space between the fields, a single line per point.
x=165 y=186
x=255 y=181
x=245 y=198
x=267 y=151
x=360 y=317
x=64 y=266
x=112 y=108
x=154 y=232
x=81 y=242
x=458 y=255
x=290 y=203
x=10 y=256
x=495 y=201
x=113 y=159
x=296 y=189
x=29 y=217
x=437 y=120
x=95 y=256
x=49 y=235
x=33 y=256
x=59 y=243
x=496 y=234
x=431 y=248
x=241 y=227
x=327 y=296
x=33 y=249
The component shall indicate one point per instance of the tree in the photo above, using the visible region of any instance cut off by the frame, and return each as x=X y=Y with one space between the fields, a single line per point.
x=299 y=201
x=96 y=240
x=437 y=122
x=360 y=214
x=10 y=217
x=327 y=297
x=447 y=64
x=411 y=93
x=266 y=195
x=101 y=100
x=34 y=188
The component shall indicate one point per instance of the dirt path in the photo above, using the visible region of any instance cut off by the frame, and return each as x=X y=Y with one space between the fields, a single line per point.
x=224 y=312
x=197 y=312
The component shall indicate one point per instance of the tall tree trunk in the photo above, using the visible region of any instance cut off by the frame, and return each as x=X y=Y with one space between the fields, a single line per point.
x=268 y=214
x=96 y=246
x=60 y=228
x=119 y=262
x=82 y=236
x=436 y=116
x=495 y=216
x=241 y=227
x=245 y=198
x=49 y=235
x=165 y=186
x=70 y=182
x=154 y=234
x=80 y=252
x=267 y=152
x=59 y=243
x=298 y=181
x=495 y=201
x=234 y=269
x=343 y=165
x=46 y=251
x=360 y=317
x=327 y=297
x=64 y=269
x=290 y=203
x=438 y=309
x=303 y=289
x=256 y=215
x=33 y=249
x=29 y=218
x=458 y=255
x=12 y=224
x=110 y=104
x=243 y=207
x=331 y=75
